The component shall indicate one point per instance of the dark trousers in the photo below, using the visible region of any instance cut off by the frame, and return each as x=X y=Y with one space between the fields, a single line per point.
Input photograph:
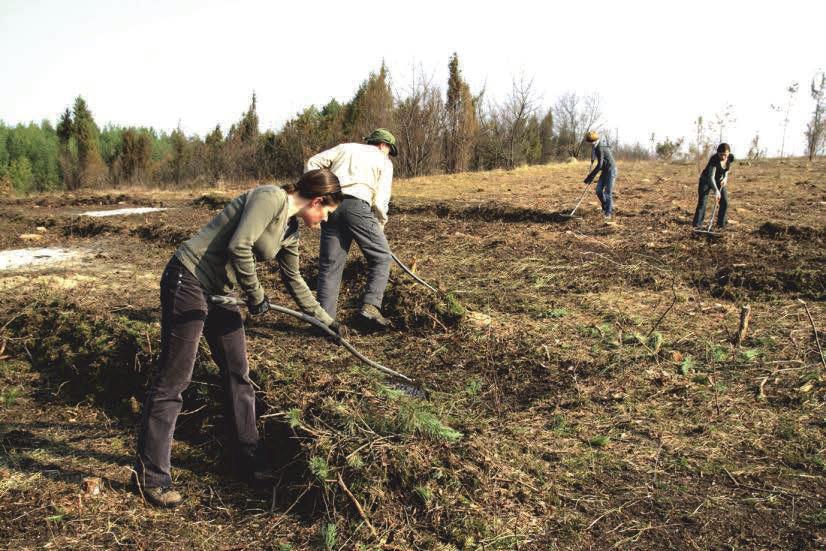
x=352 y=220
x=704 y=189
x=185 y=315
x=604 y=190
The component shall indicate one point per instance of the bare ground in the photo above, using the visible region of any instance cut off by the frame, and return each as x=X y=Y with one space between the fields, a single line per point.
x=605 y=405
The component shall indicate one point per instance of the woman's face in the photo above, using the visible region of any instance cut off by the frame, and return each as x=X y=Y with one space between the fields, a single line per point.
x=316 y=212
x=723 y=156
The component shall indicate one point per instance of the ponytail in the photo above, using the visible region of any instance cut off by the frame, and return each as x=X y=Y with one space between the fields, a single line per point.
x=317 y=183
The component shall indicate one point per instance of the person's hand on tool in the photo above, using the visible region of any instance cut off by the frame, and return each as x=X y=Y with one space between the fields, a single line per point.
x=260 y=308
x=339 y=329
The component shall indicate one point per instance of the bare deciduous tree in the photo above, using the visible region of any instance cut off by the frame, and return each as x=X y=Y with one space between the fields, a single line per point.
x=724 y=119
x=419 y=120
x=701 y=147
x=574 y=117
x=516 y=112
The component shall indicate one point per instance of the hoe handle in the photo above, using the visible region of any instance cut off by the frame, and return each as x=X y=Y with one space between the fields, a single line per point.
x=219 y=299
x=411 y=274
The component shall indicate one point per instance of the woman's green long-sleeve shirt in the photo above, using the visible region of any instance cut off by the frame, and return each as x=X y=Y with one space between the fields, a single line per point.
x=253 y=226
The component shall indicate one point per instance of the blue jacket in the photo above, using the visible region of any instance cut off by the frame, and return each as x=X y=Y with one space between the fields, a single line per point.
x=604 y=160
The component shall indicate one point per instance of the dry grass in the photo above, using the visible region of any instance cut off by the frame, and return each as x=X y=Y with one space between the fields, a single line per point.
x=604 y=406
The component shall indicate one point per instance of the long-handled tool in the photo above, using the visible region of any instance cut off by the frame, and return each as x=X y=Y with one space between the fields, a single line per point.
x=411 y=274
x=581 y=197
x=711 y=220
x=417 y=388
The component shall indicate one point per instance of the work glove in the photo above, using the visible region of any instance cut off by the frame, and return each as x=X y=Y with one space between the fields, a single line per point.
x=260 y=308
x=339 y=329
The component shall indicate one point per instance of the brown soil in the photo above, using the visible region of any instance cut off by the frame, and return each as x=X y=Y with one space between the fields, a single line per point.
x=603 y=405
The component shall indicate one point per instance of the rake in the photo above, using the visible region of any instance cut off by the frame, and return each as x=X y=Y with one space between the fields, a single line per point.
x=407 y=384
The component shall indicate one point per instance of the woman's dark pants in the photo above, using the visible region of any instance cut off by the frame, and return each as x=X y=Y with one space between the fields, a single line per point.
x=185 y=315
x=703 y=191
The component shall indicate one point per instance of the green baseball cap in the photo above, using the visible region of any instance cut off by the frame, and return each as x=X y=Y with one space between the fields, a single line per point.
x=382 y=135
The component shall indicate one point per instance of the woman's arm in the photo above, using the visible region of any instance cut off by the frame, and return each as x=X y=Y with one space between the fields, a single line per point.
x=259 y=210
x=297 y=287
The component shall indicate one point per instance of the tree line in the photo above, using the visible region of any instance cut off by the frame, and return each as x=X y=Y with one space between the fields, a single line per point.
x=455 y=131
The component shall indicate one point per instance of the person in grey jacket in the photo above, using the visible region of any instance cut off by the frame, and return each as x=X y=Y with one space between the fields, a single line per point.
x=607 y=170
x=366 y=175
x=714 y=178
x=261 y=224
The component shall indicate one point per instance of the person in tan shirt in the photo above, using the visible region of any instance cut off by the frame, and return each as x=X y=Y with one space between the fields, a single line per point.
x=261 y=224
x=366 y=176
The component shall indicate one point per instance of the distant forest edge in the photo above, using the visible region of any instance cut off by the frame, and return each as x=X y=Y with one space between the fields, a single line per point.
x=437 y=132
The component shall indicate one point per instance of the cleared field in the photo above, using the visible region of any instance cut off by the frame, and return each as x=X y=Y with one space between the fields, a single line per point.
x=604 y=405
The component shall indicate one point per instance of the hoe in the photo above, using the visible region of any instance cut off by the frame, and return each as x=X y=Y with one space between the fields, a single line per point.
x=405 y=383
x=411 y=274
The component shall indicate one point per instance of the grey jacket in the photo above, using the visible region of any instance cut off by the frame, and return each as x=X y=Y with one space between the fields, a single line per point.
x=253 y=226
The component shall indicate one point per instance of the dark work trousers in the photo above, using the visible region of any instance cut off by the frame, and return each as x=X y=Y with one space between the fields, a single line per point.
x=605 y=190
x=185 y=315
x=703 y=191
x=352 y=220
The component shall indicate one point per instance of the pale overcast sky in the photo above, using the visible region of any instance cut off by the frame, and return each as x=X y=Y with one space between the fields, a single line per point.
x=656 y=65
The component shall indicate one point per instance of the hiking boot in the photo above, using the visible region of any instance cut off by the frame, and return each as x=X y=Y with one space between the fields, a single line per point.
x=608 y=220
x=373 y=314
x=162 y=497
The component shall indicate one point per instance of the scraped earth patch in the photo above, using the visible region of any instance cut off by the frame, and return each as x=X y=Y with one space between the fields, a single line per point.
x=36 y=257
x=121 y=212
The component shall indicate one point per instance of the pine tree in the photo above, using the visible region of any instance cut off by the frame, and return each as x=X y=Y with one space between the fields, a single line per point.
x=243 y=143
x=85 y=132
x=462 y=124
x=216 y=161
x=135 y=152
x=179 y=155
x=546 y=137
x=371 y=107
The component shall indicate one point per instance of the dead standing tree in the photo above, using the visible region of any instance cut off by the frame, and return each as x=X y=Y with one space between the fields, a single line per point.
x=791 y=91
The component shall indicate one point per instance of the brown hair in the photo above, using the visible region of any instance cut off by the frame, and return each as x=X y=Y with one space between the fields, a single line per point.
x=317 y=183
x=723 y=148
